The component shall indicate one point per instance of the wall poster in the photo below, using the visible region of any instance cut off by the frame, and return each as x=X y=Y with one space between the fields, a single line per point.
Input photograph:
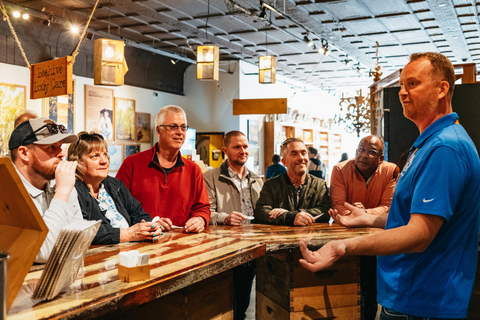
x=61 y=110
x=12 y=102
x=99 y=113
x=131 y=149
x=253 y=132
x=115 y=151
x=124 y=114
x=142 y=127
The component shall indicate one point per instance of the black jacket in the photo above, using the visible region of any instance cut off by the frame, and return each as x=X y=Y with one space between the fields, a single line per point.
x=126 y=204
x=279 y=192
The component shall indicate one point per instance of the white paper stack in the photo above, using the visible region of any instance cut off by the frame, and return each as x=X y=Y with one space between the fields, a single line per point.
x=66 y=258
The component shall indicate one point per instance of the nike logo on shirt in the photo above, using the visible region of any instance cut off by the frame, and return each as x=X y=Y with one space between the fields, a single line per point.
x=427 y=200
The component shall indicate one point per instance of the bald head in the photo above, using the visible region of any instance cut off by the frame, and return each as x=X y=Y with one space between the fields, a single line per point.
x=370 y=154
x=24 y=116
x=372 y=139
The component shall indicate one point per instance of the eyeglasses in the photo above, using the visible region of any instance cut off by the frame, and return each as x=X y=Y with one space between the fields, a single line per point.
x=370 y=152
x=53 y=128
x=174 y=127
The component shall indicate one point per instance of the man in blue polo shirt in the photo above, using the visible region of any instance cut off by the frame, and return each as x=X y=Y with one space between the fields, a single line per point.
x=428 y=250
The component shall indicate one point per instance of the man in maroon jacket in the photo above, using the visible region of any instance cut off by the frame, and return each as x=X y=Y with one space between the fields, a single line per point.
x=166 y=184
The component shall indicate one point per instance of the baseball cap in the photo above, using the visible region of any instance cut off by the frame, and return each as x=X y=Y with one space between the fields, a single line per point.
x=39 y=131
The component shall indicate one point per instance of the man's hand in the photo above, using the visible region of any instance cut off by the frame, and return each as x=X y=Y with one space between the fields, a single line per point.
x=303 y=219
x=324 y=257
x=235 y=218
x=64 y=179
x=357 y=217
x=195 y=224
x=165 y=224
x=276 y=212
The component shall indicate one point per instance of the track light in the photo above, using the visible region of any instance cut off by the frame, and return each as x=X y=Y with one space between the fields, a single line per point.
x=263 y=13
x=308 y=41
x=324 y=48
x=174 y=61
x=51 y=18
x=347 y=62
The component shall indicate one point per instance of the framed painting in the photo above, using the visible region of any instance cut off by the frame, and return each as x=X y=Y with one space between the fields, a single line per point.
x=131 y=149
x=61 y=110
x=115 y=151
x=143 y=131
x=12 y=102
x=124 y=114
x=253 y=132
x=99 y=112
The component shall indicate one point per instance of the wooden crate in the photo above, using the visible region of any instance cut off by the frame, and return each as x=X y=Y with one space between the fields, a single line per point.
x=286 y=290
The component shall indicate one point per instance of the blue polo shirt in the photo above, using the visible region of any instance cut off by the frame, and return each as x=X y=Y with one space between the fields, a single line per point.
x=441 y=177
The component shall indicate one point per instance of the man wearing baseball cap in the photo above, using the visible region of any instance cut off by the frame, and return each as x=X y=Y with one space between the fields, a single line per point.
x=36 y=151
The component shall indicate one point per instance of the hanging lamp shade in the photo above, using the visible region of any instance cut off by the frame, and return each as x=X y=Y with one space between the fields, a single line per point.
x=207 y=62
x=267 y=67
x=109 y=62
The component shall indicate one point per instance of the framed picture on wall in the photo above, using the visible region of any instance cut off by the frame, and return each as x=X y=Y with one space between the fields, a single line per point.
x=99 y=112
x=142 y=127
x=115 y=151
x=124 y=114
x=12 y=102
x=253 y=132
x=131 y=149
x=61 y=110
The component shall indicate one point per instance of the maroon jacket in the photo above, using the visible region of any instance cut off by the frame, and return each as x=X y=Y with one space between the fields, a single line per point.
x=179 y=195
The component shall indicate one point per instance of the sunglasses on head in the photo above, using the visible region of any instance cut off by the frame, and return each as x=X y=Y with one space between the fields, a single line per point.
x=53 y=128
x=90 y=136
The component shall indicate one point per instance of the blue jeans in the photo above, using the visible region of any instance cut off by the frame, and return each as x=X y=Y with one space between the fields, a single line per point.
x=389 y=314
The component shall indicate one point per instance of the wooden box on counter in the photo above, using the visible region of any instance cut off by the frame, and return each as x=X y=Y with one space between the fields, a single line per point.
x=132 y=274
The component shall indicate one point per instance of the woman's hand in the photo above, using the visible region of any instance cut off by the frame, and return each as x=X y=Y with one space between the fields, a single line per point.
x=141 y=231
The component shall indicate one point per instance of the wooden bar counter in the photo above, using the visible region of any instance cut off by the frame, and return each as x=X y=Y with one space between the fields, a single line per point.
x=191 y=277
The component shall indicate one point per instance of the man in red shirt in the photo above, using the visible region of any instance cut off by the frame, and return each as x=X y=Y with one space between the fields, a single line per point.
x=166 y=184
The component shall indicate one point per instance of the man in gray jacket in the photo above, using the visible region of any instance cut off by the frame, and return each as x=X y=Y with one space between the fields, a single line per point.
x=233 y=191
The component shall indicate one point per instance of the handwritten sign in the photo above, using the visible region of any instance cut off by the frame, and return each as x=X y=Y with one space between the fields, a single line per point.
x=51 y=78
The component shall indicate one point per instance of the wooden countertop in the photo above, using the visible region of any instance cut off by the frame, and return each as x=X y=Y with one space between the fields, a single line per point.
x=178 y=260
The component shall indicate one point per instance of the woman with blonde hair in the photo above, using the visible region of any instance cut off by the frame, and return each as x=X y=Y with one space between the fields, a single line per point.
x=105 y=198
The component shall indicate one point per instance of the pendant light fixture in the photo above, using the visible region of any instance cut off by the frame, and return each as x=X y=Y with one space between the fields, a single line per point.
x=267 y=65
x=109 y=62
x=207 y=62
x=207 y=57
